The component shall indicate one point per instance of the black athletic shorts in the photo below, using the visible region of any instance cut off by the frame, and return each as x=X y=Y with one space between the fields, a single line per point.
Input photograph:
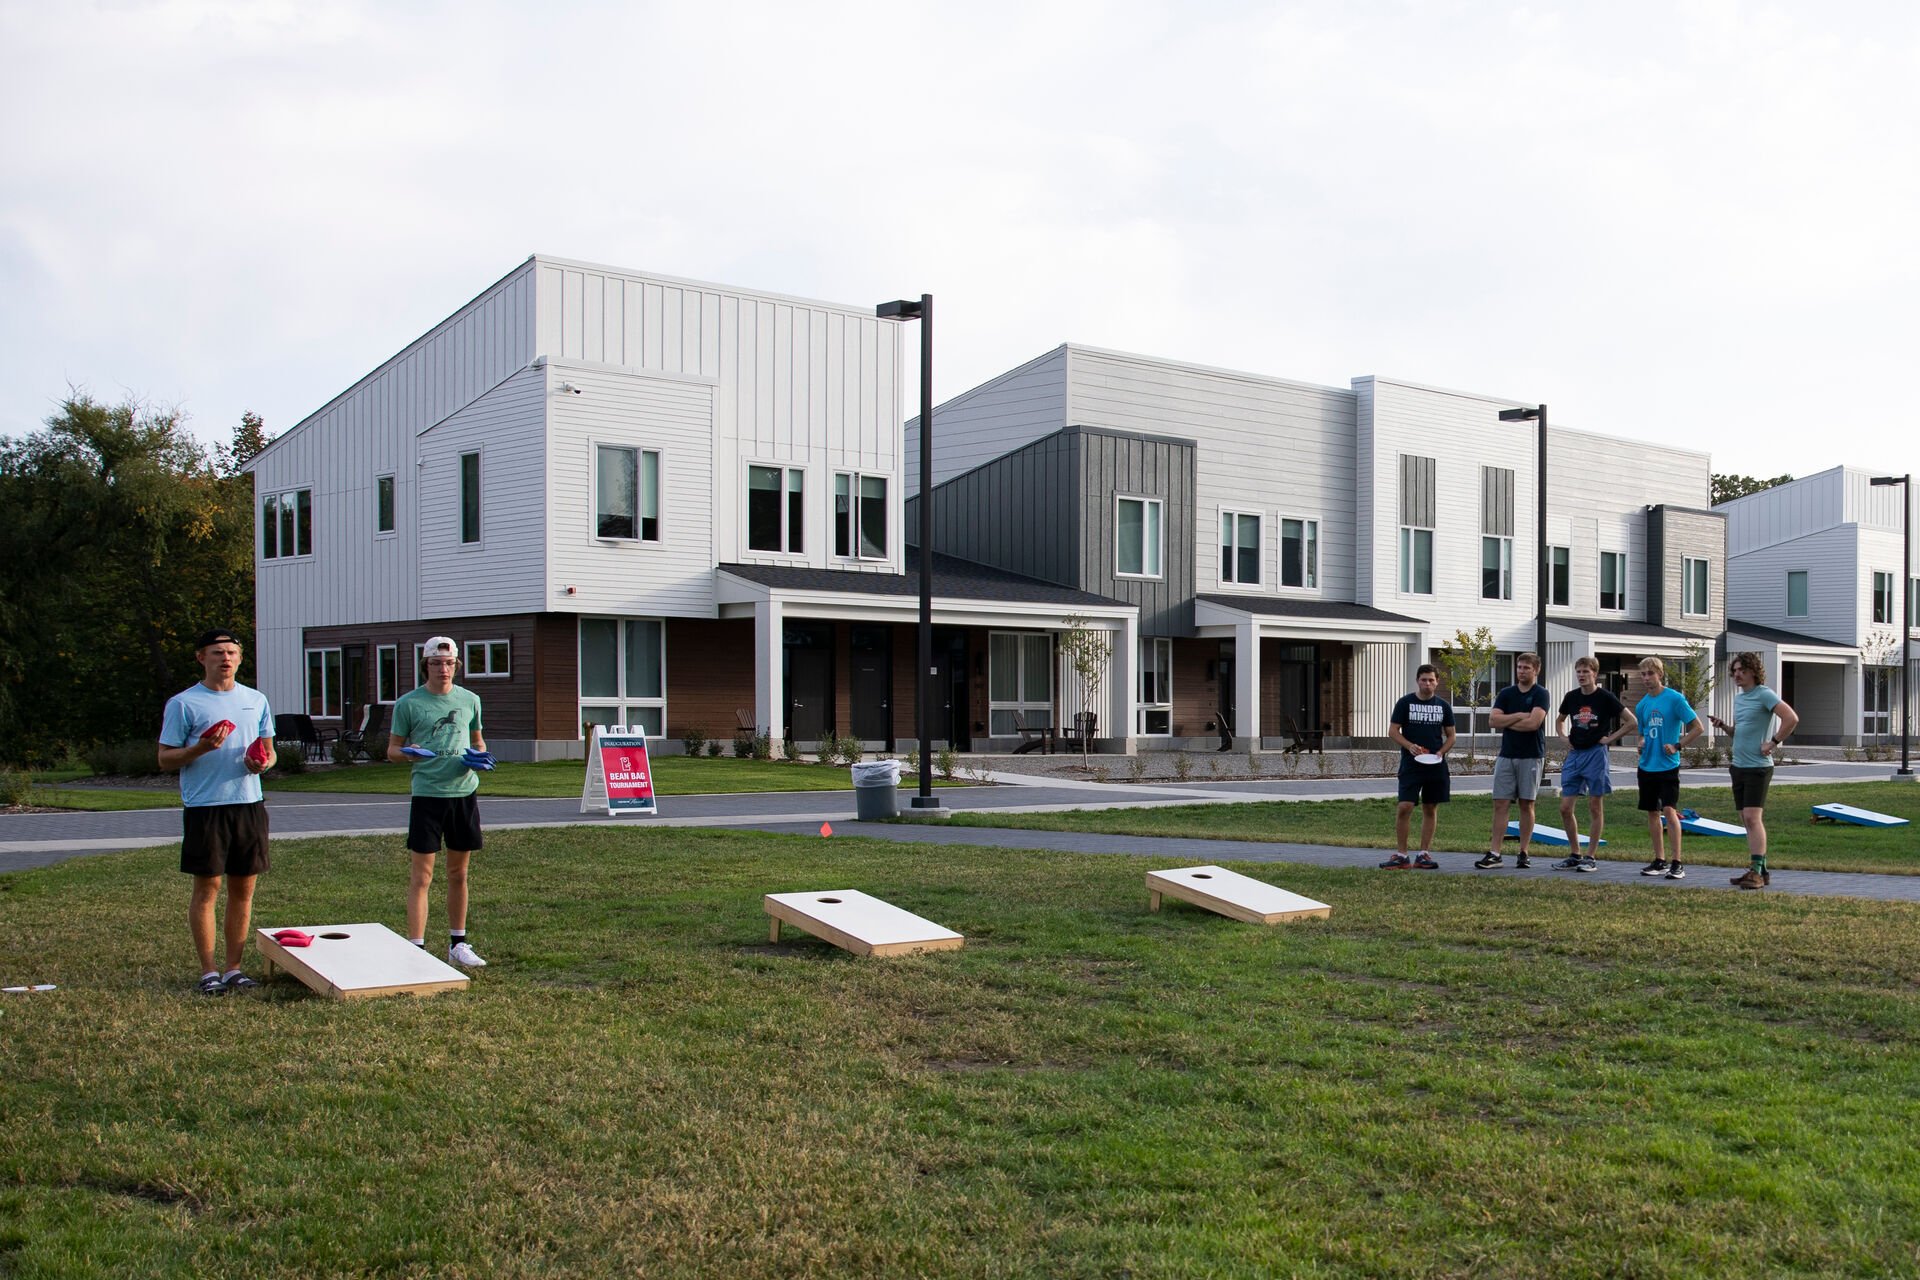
x=224 y=839
x=1750 y=787
x=456 y=819
x=1659 y=789
x=1424 y=783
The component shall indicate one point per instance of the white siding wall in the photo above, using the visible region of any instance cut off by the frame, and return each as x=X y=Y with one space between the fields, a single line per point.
x=1381 y=674
x=1786 y=512
x=505 y=572
x=673 y=577
x=995 y=418
x=1757 y=585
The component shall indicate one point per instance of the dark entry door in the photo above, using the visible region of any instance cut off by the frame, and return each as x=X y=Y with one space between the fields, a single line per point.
x=1298 y=678
x=809 y=680
x=353 y=683
x=871 y=687
x=1228 y=720
x=950 y=688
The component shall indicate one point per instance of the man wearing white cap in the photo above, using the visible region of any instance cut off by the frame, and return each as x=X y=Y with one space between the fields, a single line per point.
x=436 y=729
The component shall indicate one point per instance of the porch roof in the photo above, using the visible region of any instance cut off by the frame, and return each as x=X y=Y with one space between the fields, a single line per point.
x=953 y=579
x=1784 y=639
x=1621 y=633
x=1319 y=610
x=1336 y=620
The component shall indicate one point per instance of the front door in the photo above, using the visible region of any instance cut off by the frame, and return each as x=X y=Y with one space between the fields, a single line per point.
x=870 y=662
x=809 y=680
x=353 y=684
x=1229 y=691
x=949 y=719
x=1298 y=677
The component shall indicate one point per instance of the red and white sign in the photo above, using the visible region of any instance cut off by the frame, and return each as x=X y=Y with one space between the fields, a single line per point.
x=619 y=774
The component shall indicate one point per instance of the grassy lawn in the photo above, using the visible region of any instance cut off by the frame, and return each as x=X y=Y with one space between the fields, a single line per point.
x=1793 y=839
x=1450 y=1077
x=100 y=800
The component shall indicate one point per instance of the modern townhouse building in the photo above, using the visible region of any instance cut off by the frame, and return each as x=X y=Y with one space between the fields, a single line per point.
x=638 y=500
x=1813 y=584
x=1295 y=551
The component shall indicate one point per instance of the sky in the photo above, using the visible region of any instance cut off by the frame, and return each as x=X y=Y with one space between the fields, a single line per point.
x=1694 y=222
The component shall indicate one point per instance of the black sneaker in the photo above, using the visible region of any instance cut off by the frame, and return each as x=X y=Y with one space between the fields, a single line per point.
x=1486 y=861
x=1658 y=867
x=1398 y=862
x=1587 y=864
x=1569 y=863
x=211 y=986
x=1523 y=863
x=1425 y=862
x=1676 y=872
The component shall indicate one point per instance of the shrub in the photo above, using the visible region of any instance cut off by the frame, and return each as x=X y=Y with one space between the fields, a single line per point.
x=339 y=752
x=123 y=759
x=789 y=746
x=762 y=748
x=16 y=786
x=945 y=760
x=715 y=747
x=291 y=758
x=1101 y=773
x=1137 y=766
x=1182 y=765
x=851 y=752
x=743 y=747
x=694 y=739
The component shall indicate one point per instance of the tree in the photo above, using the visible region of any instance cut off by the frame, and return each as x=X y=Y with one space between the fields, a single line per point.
x=1087 y=653
x=1727 y=488
x=1462 y=665
x=1692 y=676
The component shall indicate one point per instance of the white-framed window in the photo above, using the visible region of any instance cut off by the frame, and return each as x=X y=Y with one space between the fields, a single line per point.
x=1693 y=587
x=1299 y=553
x=469 y=499
x=1883 y=609
x=1876 y=703
x=623 y=673
x=1613 y=581
x=859 y=516
x=489 y=659
x=1796 y=593
x=1560 y=576
x=1913 y=603
x=286 y=524
x=776 y=509
x=323 y=682
x=1156 y=686
x=626 y=493
x=1416 y=561
x=1019 y=678
x=1496 y=568
x=1240 y=548
x=1138 y=537
x=386 y=673
x=383 y=513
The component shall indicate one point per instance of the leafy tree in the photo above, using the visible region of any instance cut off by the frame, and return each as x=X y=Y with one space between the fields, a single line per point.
x=1463 y=664
x=1087 y=651
x=1727 y=488
x=1692 y=676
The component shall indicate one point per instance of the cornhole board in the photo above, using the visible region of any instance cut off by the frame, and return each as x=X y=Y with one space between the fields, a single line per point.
x=1698 y=826
x=354 y=961
x=1232 y=895
x=857 y=922
x=1858 y=817
x=1542 y=833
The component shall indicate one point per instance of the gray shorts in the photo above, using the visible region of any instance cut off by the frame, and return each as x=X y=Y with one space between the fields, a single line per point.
x=1516 y=778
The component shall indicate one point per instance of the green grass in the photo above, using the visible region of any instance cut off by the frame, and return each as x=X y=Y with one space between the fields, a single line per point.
x=102 y=800
x=1449 y=1077
x=672 y=776
x=1793 y=839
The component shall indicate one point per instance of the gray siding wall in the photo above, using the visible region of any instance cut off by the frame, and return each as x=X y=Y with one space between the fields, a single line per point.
x=996 y=417
x=1115 y=465
x=1673 y=536
x=1757 y=585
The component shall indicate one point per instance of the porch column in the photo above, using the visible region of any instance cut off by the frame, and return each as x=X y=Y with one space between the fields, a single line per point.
x=1123 y=699
x=769 y=690
x=1246 y=683
x=1853 y=703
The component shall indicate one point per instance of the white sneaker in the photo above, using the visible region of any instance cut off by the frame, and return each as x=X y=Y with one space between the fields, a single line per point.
x=465 y=956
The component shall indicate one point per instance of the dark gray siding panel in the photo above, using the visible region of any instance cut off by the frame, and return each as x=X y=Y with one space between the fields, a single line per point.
x=1115 y=464
x=1496 y=501
x=1417 y=504
x=1015 y=513
x=1674 y=535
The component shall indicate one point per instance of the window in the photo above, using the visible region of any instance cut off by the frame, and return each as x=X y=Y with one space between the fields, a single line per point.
x=1416 y=561
x=1796 y=593
x=623 y=673
x=1019 y=678
x=1137 y=537
x=1693 y=587
x=1883 y=597
x=323 y=682
x=626 y=493
x=1496 y=568
x=1559 y=576
x=1239 y=548
x=1913 y=603
x=469 y=497
x=386 y=673
x=1299 y=553
x=286 y=524
x=489 y=658
x=1156 y=686
x=776 y=509
x=1613 y=580
x=383 y=504
x=860 y=516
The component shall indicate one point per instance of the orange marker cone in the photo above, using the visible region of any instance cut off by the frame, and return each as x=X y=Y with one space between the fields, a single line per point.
x=826 y=829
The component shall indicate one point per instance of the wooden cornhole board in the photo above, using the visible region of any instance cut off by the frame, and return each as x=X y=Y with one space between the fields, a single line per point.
x=353 y=961
x=1699 y=826
x=1232 y=895
x=857 y=922
x=1858 y=817
x=1542 y=833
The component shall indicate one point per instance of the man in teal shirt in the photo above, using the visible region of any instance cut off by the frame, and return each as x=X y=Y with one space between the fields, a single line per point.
x=436 y=728
x=1756 y=708
x=1667 y=723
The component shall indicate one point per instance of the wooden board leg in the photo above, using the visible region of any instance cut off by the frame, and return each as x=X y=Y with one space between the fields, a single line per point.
x=773 y=928
x=1153 y=900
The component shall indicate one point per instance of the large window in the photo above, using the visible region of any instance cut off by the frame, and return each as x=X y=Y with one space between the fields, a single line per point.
x=1693 y=587
x=386 y=673
x=469 y=498
x=1299 y=552
x=1496 y=568
x=1613 y=580
x=489 y=658
x=323 y=682
x=860 y=516
x=1559 y=576
x=626 y=493
x=1239 y=548
x=623 y=673
x=1416 y=561
x=1883 y=598
x=1796 y=593
x=286 y=524
x=1019 y=678
x=1156 y=686
x=776 y=509
x=1137 y=544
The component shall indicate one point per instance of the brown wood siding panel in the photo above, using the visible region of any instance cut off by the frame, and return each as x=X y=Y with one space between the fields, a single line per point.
x=556 y=675
x=1196 y=699
x=709 y=674
x=506 y=705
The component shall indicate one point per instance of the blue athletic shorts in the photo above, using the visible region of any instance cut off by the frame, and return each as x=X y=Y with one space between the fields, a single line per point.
x=1587 y=772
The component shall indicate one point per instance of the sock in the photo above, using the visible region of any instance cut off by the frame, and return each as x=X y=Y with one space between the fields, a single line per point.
x=418 y=942
x=211 y=973
x=456 y=937
x=230 y=974
x=1760 y=864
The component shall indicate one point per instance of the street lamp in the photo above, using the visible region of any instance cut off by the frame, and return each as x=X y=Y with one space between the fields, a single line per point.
x=904 y=309
x=1906 y=614
x=1538 y=412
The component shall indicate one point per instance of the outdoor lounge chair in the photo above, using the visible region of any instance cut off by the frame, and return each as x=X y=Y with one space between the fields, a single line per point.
x=373 y=719
x=1030 y=737
x=294 y=729
x=1303 y=739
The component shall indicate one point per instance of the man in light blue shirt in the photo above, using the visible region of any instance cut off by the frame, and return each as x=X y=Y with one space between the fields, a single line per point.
x=1761 y=722
x=1667 y=723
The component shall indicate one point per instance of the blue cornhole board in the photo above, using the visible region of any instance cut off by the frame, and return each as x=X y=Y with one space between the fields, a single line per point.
x=1858 y=817
x=1542 y=834
x=1693 y=824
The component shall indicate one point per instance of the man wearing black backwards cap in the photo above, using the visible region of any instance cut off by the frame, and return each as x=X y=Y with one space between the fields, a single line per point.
x=218 y=736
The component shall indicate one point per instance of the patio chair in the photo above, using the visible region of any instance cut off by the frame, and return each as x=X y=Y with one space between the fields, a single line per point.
x=1030 y=737
x=373 y=719
x=1303 y=739
x=294 y=729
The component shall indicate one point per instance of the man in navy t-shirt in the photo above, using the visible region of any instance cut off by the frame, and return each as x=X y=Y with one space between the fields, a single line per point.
x=1520 y=714
x=1422 y=723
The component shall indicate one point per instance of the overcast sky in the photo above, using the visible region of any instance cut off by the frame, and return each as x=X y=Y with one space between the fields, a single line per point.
x=1687 y=222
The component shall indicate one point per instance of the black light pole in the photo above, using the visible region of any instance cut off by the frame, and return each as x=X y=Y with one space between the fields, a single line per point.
x=1539 y=412
x=1906 y=615
x=923 y=678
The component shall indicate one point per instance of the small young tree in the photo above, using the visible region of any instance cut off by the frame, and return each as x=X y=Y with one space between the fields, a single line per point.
x=1692 y=677
x=1087 y=650
x=1880 y=655
x=1462 y=664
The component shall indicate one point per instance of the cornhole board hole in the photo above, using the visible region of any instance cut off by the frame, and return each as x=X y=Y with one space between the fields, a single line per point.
x=1858 y=817
x=1232 y=895
x=857 y=922
x=1542 y=833
x=353 y=961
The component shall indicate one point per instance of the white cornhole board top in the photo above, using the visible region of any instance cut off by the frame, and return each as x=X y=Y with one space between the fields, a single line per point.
x=1710 y=827
x=858 y=922
x=371 y=960
x=1858 y=817
x=1232 y=895
x=1542 y=833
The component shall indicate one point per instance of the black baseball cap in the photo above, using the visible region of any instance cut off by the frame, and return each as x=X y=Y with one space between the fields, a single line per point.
x=214 y=636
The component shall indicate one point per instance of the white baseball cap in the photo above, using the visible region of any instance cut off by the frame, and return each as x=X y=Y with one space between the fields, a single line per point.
x=440 y=647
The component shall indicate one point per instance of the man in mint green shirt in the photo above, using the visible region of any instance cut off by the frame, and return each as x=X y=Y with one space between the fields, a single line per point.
x=1761 y=722
x=436 y=729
